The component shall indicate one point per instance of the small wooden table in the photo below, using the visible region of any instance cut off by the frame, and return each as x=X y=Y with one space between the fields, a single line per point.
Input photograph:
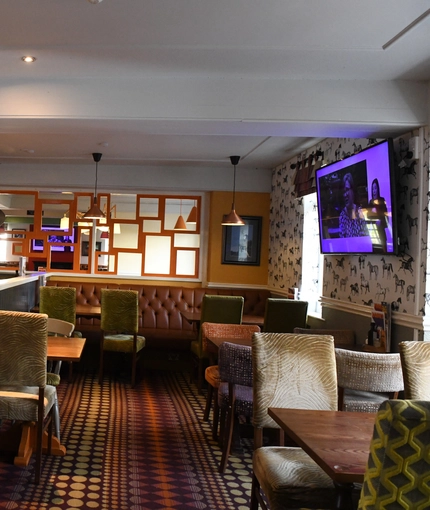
x=88 y=311
x=21 y=437
x=337 y=441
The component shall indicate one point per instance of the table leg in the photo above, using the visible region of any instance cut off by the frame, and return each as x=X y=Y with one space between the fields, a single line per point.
x=344 y=495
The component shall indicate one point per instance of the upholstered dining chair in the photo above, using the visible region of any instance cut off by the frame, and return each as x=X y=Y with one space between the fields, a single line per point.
x=215 y=308
x=64 y=329
x=119 y=325
x=60 y=303
x=235 y=391
x=283 y=315
x=366 y=379
x=296 y=371
x=24 y=395
x=415 y=358
x=398 y=469
x=215 y=330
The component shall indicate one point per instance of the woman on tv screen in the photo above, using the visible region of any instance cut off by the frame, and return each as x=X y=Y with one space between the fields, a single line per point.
x=377 y=215
x=351 y=220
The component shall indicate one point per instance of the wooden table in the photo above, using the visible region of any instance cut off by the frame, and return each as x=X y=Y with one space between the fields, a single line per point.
x=337 y=441
x=21 y=437
x=195 y=318
x=88 y=311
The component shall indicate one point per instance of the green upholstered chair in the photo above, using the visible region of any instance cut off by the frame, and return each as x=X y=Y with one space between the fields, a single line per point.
x=415 y=358
x=219 y=309
x=56 y=327
x=283 y=315
x=119 y=325
x=398 y=470
x=59 y=303
x=24 y=394
x=296 y=371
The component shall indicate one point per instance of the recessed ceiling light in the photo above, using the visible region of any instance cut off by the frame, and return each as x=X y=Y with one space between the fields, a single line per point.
x=28 y=59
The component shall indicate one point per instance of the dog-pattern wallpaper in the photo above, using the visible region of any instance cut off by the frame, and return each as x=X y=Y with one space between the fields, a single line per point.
x=364 y=279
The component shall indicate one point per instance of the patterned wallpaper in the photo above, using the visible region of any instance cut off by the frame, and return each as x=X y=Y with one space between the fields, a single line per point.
x=364 y=279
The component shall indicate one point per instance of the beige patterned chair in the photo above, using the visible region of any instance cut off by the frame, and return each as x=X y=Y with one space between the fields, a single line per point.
x=366 y=379
x=398 y=470
x=56 y=327
x=415 y=357
x=297 y=371
x=24 y=395
x=119 y=325
x=231 y=331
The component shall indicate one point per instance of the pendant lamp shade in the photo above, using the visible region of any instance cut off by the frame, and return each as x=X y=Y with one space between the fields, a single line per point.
x=180 y=222
x=104 y=235
x=64 y=222
x=192 y=217
x=232 y=218
x=94 y=212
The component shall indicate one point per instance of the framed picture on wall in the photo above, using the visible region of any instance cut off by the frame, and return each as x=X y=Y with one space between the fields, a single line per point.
x=241 y=245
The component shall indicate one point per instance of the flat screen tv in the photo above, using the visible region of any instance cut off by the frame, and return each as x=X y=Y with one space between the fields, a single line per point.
x=356 y=203
x=53 y=237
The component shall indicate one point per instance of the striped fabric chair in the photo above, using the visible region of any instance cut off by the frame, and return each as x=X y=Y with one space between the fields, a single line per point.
x=415 y=357
x=398 y=469
x=297 y=371
x=24 y=395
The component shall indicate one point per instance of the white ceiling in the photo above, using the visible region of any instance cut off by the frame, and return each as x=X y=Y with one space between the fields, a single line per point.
x=190 y=82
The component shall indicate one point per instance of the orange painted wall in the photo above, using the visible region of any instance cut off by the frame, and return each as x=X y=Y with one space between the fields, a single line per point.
x=247 y=204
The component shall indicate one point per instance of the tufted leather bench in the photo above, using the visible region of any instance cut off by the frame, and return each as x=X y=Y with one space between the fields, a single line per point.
x=160 y=320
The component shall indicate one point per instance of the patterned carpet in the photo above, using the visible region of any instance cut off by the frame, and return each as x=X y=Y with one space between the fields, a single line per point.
x=131 y=449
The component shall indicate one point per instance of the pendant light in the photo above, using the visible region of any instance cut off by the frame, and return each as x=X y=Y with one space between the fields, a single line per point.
x=232 y=218
x=180 y=222
x=192 y=217
x=94 y=212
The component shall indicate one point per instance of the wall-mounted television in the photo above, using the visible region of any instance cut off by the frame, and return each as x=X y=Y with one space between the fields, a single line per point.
x=356 y=203
x=54 y=237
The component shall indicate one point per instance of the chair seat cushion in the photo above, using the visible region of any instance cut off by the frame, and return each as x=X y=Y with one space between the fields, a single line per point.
x=212 y=376
x=244 y=399
x=21 y=403
x=122 y=343
x=53 y=379
x=288 y=474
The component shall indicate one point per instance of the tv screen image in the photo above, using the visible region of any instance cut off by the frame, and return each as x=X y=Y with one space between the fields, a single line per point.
x=37 y=244
x=356 y=203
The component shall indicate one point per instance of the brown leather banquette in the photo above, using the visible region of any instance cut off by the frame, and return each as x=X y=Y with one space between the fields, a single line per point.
x=160 y=320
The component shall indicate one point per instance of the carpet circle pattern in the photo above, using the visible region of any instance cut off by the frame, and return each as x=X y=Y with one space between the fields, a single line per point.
x=145 y=448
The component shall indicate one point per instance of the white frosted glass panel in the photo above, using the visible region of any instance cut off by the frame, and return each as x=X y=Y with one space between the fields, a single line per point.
x=148 y=207
x=186 y=262
x=187 y=241
x=129 y=263
x=123 y=206
x=111 y=262
x=127 y=238
x=157 y=255
x=152 y=226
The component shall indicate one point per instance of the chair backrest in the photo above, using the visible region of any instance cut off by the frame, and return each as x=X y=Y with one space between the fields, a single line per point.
x=341 y=336
x=119 y=310
x=235 y=364
x=398 y=468
x=297 y=371
x=58 y=302
x=283 y=315
x=57 y=327
x=23 y=347
x=222 y=309
x=214 y=329
x=415 y=357
x=369 y=371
